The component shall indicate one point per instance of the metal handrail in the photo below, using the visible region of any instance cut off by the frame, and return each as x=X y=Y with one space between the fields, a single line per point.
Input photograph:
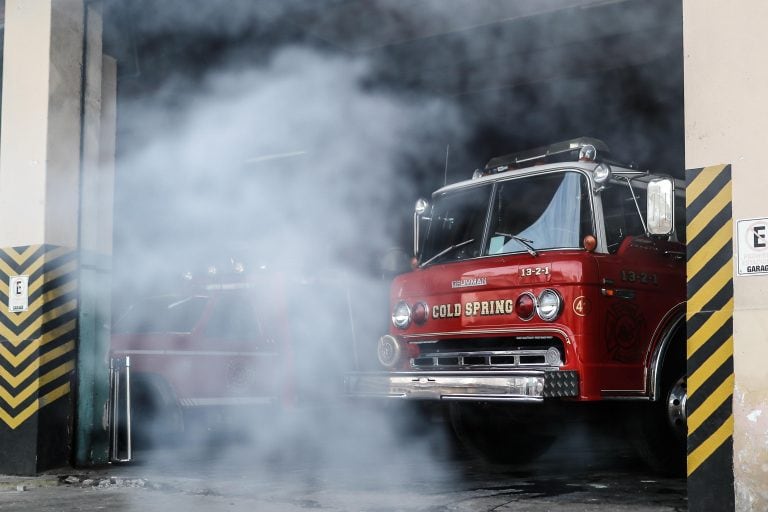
x=118 y=366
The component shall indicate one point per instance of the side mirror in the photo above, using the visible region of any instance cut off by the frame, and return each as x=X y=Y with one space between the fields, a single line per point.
x=661 y=206
x=422 y=205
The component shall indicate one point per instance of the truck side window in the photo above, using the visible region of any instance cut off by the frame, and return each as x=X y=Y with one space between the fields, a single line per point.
x=233 y=318
x=620 y=213
x=167 y=313
x=680 y=219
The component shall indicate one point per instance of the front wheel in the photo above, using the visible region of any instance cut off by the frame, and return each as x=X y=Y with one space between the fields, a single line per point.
x=156 y=418
x=659 y=430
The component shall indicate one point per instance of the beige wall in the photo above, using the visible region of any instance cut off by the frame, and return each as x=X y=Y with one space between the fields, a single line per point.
x=40 y=133
x=726 y=121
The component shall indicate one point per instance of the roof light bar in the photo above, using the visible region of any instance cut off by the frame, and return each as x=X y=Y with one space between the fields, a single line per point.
x=582 y=148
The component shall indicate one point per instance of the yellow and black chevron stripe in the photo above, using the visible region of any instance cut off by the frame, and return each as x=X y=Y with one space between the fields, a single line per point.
x=710 y=338
x=37 y=347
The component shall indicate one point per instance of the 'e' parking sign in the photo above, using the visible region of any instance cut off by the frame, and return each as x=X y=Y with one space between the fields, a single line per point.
x=18 y=294
x=752 y=246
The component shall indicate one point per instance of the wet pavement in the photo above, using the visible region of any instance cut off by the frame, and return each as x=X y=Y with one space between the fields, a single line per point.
x=595 y=492
x=363 y=467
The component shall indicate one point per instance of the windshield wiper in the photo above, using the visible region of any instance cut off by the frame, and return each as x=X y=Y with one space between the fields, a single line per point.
x=446 y=251
x=522 y=241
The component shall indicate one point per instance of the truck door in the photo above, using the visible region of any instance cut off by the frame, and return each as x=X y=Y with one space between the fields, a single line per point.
x=641 y=281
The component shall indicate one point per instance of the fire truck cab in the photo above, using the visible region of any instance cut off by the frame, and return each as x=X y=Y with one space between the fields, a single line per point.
x=553 y=275
x=228 y=349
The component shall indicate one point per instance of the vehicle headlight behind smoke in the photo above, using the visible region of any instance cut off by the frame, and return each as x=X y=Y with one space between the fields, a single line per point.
x=549 y=304
x=401 y=315
x=388 y=351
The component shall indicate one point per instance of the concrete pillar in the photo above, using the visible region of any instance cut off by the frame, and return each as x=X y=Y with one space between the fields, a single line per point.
x=726 y=77
x=96 y=201
x=40 y=168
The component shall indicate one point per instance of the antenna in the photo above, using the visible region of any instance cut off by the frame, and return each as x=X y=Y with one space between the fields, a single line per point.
x=445 y=174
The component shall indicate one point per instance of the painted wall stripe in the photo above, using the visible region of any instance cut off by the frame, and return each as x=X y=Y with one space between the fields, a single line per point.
x=723 y=392
x=699 y=300
x=28 y=371
x=14 y=333
x=34 y=345
x=722 y=238
x=709 y=314
x=712 y=324
x=37 y=346
x=698 y=202
x=697 y=457
x=697 y=185
x=700 y=222
x=715 y=361
x=50 y=397
x=696 y=244
x=16 y=400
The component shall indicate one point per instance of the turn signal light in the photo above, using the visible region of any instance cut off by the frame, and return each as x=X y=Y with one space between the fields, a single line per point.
x=525 y=306
x=590 y=243
x=420 y=313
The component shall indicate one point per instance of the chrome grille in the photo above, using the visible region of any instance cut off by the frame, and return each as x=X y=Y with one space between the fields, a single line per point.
x=481 y=359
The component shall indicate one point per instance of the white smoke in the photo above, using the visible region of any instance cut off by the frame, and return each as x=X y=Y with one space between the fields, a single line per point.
x=298 y=159
x=307 y=161
x=302 y=168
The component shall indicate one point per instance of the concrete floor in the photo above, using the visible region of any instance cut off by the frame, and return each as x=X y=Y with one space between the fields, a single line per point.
x=346 y=466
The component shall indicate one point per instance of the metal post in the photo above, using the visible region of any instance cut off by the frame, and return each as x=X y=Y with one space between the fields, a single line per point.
x=117 y=366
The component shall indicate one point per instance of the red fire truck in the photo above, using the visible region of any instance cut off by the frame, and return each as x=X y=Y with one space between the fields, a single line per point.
x=553 y=276
x=225 y=346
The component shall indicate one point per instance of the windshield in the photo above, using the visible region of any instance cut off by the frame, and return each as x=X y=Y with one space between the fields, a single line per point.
x=457 y=223
x=527 y=214
x=162 y=314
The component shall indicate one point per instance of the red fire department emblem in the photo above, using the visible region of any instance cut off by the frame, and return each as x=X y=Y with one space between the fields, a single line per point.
x=239 y=376
x=624 y=328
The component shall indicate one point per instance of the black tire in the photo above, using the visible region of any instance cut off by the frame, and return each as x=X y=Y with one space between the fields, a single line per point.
x=156 y=417
x=658 y=429
x=501 y=433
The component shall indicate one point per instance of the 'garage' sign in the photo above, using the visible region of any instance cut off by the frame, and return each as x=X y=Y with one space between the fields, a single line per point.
x=752 y=246
x=18 y=294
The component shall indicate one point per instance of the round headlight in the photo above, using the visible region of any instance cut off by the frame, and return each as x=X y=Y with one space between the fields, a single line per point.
x=401 y=315
x=421 y=206
x=525 y=306
x=549 y=304
x=388 y=351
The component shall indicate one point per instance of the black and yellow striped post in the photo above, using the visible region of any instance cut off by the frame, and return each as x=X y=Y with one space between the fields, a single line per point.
x=37 y=358
x=710 y=339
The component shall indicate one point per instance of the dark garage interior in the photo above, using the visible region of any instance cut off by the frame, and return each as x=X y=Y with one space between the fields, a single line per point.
x=440 y=88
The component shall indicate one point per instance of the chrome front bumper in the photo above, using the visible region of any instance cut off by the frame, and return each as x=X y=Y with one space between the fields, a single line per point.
x=503 y=385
